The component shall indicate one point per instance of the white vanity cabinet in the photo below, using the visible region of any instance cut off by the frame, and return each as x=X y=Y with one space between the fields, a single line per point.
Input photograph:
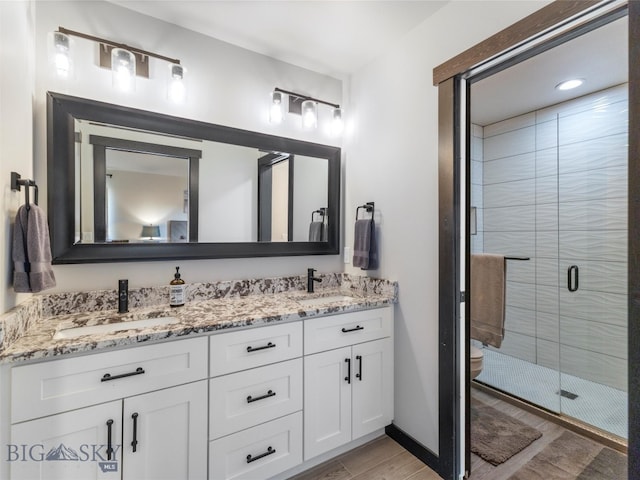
x=255 y=399
x=247 y=404
x=348 y=391
x=155 y=435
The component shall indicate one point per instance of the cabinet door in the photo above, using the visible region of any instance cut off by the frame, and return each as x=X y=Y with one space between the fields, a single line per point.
x=327 y=400
x=68 y=446
x=170 y=428
x=372 y=386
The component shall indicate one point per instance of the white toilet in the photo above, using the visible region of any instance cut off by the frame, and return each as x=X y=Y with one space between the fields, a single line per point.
x=476 y=361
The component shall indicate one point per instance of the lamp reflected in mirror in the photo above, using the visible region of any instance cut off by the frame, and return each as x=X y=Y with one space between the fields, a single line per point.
x=150 y=231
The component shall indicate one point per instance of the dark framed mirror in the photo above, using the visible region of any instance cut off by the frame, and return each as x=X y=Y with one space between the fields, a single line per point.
x=131 y=185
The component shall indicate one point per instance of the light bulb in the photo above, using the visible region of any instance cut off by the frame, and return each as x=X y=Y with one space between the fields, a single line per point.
x=276 y=112
x=337 y=124
x=60 y=54
x=177 y=90
x=123 y=65
x=309 y=114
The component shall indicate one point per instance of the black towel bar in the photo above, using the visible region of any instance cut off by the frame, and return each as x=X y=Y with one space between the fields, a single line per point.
x=17 y=183
x=517 y=258
x=368 y=207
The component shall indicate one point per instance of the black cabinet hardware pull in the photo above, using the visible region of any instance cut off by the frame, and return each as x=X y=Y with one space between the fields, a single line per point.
x=134 y=442
x=348 y=377
x=359 y=374
x=255 y=349
x=270 y=393
x=107 y=376
x=572 y=278
x=269 y=451
x=109 y=447
x=357 y=327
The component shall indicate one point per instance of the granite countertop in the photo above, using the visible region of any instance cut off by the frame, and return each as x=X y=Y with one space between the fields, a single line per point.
x=195 y=317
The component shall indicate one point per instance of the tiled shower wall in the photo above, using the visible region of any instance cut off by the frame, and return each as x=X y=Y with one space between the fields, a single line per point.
x=552 y=185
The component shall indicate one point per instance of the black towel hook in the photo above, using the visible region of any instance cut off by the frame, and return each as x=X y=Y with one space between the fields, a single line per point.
x=17 y=183
x=368 y=207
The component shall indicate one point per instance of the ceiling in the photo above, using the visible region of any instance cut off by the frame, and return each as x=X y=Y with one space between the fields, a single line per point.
x=333 y=37
x=600 y=57
x=337 y=37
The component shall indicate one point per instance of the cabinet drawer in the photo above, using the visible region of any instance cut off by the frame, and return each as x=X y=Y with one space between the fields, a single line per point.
x=60 y=385
x=335 y=331
x=259 y=452
x=244 y=399
x=235 y=351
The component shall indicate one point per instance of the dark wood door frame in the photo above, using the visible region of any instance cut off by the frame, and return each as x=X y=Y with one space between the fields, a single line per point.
x=447 y=77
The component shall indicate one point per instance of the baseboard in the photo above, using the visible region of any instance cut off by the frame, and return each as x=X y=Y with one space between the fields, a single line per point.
x=414 y=447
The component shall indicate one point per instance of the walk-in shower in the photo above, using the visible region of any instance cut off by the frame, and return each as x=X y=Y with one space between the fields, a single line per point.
x=550 y=183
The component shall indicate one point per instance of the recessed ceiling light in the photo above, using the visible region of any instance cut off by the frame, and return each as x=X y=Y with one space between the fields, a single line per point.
x=569 y=84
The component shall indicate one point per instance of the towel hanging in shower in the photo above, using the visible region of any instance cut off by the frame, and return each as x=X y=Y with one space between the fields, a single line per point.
x=488 y=283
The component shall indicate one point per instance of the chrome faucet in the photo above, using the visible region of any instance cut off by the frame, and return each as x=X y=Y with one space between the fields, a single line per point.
x=311 y=279
x=123 y=296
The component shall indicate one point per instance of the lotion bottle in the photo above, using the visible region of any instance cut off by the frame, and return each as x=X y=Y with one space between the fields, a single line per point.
x=176 y=290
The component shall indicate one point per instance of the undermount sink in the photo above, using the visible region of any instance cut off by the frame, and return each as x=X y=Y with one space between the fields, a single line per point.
x=114 y=327
x=319 y=301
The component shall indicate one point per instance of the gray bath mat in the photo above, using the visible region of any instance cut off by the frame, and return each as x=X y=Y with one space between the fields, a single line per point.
x=495 y=436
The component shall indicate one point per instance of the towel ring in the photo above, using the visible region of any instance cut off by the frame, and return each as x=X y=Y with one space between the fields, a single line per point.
x=17 y=183
x=322 y=211
x=368 y=207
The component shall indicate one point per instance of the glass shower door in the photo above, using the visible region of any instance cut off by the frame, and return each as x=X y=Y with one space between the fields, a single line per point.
x=592 y=249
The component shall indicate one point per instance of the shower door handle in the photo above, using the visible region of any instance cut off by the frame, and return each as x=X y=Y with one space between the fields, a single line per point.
x=573 y=275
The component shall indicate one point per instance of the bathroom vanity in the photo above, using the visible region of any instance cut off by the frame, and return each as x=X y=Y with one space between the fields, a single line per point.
x=224 y=391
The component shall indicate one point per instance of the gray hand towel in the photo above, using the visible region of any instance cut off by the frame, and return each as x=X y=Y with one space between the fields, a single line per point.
x=31 y=251
x=364 y=245
x=488 y=283
x=316 y=232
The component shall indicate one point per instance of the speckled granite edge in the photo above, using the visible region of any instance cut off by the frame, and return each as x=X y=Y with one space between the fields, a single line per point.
x=16 y=322
x=368 y=285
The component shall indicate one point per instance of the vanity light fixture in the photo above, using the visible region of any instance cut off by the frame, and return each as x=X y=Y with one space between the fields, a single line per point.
x=570 y=84
x=125 y=61
x=306 y=107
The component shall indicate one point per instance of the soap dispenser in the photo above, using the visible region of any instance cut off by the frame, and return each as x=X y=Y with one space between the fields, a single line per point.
x=176 y=290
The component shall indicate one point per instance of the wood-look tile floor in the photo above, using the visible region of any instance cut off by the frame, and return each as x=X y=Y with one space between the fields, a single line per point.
x=380 y=459
x=384 y=459
x=481 y=470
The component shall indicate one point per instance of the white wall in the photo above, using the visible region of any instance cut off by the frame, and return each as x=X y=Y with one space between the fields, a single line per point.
x=226 y=85
x=135 y=199
x=309 y=193
x=391 y=159
x=16 y=126
x=228 y=193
